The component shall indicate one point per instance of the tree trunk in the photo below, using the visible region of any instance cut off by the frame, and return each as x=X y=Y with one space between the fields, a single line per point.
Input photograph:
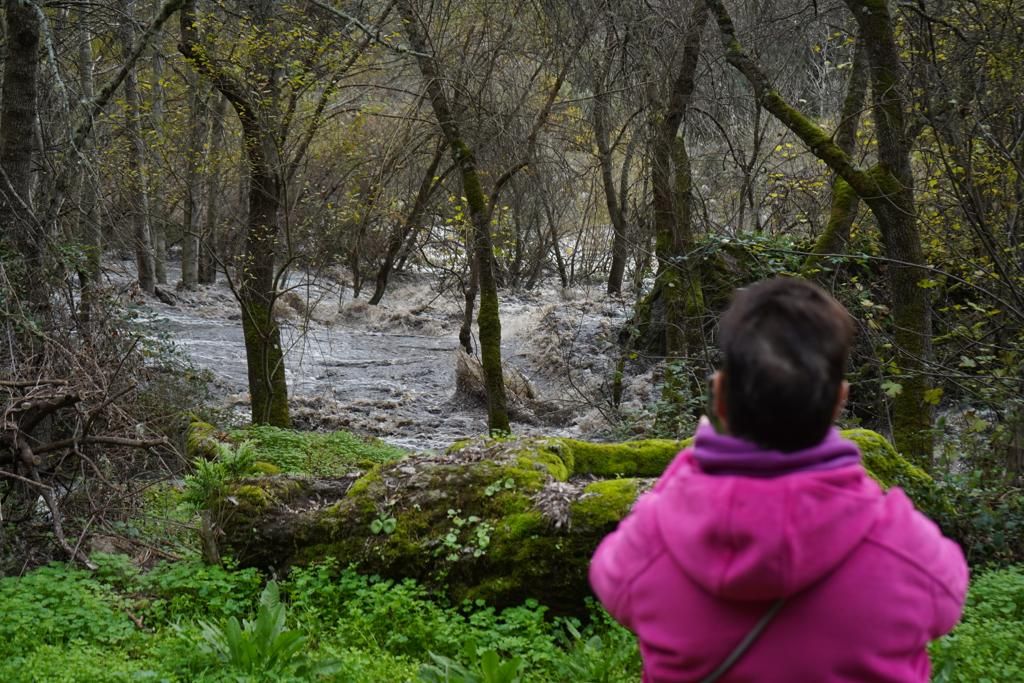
x=208 y=246
x=845 y=201
x=17 y=141
x=191 y=224
x=264 y=357
x=400 y=234
x=616 y=212
x=671 y=181
x=256 y=283
x=89 y=228
x=488 y=319
x=896 y=211
x=139 y=192
x=158 y=214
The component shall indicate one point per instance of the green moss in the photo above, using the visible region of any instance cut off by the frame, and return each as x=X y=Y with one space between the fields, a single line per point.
x=363 y=483
x=889 y=468
x=515 y=527
x=604 y=503
x=266 y=467
x=201 y=442
x=458 y=446
x=251 y=495
x=547 y=461
x=647 y=458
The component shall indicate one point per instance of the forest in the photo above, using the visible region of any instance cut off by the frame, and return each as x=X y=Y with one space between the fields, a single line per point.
x=335 y=334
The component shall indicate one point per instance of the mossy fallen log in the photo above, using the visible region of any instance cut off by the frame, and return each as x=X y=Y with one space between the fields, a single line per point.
x=496 y=520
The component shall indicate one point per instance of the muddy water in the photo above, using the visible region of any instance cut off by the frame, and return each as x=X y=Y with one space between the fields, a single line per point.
x=388 y=370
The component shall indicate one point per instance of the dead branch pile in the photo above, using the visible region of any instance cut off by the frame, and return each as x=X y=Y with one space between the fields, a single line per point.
x=79 y=394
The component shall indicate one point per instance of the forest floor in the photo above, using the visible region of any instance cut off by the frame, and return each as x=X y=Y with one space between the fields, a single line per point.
x=389 y=370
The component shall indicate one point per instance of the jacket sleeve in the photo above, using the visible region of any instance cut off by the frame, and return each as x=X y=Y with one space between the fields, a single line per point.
x=950 y=589
x=624 y=554
x=614 y=565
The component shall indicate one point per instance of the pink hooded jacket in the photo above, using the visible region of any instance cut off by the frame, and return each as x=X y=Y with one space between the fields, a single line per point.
x=730 y=528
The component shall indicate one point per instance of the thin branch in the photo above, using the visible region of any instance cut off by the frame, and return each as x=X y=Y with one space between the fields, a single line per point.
x=110 y=440
x=372 y=34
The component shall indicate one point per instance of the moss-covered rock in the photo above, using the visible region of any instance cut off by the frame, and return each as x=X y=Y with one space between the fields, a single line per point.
x=202 y=441
x=501 y=520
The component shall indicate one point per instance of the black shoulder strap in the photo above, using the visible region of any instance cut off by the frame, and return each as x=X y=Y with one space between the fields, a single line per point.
x=745 y=644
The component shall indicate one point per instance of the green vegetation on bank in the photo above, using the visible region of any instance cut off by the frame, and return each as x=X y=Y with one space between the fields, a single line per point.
x=324 y=621
x=187 y=621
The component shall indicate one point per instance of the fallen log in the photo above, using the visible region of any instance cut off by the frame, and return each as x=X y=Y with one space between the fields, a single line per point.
x=501 y=521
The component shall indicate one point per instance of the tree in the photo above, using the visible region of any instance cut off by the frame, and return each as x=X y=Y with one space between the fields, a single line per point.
x=145 y=257
x=887 y=188
x=21 y=228
x=488 y=320
x=266 y=97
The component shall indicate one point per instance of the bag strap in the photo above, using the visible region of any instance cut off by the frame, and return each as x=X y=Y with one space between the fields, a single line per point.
x=745 y=644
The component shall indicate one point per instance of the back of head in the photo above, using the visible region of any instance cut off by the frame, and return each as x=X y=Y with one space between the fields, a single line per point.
x=784 y=344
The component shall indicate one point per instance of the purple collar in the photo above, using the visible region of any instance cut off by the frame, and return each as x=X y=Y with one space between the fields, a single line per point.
x=723 y=454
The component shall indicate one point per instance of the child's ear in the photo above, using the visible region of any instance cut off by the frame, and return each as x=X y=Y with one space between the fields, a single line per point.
x=844 y=394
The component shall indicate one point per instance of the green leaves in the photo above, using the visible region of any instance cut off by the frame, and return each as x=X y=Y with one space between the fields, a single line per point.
x=263 y=647
x=486 y=667
x=384 y=525
x=892 y=389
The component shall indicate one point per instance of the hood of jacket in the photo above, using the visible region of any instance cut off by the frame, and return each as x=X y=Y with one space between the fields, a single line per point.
x=747 y=523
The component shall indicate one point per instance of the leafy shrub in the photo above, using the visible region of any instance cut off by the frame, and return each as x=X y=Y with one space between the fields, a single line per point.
x=57 y=605
x=210 y=478
x=190 y=589
x=263 y=649
x=986 y=518
x=986 y=646
x=487 y=667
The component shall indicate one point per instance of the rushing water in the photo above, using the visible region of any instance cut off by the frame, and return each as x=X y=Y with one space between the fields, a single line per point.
x=389 y=370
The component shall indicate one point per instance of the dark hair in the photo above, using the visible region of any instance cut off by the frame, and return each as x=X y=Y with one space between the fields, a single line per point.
x=784 y=344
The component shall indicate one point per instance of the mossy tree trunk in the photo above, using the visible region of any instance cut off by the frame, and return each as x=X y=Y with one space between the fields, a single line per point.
x=488 y=319
x=256 y=290
x=502 y=521
x=677 y=281
x=845 y=202
x=888 y=190
x=896 y=211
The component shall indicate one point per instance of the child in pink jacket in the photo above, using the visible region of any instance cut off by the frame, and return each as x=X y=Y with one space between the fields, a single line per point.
x=768 y=530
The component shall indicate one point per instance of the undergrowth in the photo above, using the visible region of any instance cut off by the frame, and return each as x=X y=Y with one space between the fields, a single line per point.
x=318 y=454
x=986 y=646
x=187 y=621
